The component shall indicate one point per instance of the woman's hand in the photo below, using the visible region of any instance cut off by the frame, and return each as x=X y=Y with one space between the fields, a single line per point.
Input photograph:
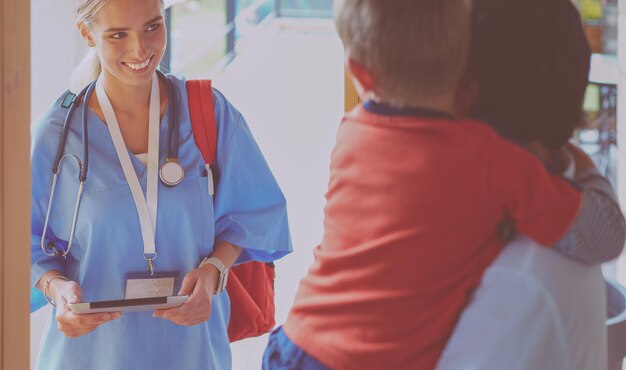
x=69 y=323
x=199 y=284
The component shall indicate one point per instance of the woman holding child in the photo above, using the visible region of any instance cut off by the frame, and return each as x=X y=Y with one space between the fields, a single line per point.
x=416 y=197
x=534 y=309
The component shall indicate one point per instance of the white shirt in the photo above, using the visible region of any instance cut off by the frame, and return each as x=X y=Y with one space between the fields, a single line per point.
x=534 y=309
x=143 y=158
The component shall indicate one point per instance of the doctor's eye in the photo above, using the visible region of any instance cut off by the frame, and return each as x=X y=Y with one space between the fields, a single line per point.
x=153 y=27
x=118 y=35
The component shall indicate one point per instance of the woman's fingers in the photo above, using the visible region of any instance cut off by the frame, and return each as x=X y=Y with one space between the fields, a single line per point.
x=72 y=292
x=189 y=283
x=71 y=324
x=187 y=288
x=189 y=313
x=197 y=308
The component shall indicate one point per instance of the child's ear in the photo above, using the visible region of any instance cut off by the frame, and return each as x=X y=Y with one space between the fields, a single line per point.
x=363 y=78
x=466 y=96
x=86 y=34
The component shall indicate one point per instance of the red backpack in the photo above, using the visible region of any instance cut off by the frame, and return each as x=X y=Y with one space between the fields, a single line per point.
x=250 y=285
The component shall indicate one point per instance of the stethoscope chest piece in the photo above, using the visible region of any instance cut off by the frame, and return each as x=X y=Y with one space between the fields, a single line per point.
x=171 y=172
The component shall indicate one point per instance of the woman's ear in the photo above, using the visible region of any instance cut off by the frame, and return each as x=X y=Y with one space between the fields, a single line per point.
x=86 y=34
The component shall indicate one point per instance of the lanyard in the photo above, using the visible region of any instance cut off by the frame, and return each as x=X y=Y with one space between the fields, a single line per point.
x=146 y=207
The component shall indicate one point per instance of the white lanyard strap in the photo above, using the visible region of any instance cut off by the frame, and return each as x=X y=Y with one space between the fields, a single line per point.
x=146 y=208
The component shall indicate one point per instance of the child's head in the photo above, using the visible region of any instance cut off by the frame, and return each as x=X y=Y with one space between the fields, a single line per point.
x=531 y=60
x=412 y=50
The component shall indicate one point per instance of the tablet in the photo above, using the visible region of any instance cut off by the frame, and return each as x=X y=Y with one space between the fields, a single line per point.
x=128 y=305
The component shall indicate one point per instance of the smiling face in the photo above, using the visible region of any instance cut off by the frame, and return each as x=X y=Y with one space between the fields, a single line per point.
x=130 y=38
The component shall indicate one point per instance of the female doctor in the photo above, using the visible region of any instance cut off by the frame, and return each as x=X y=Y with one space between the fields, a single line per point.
x=128 y=221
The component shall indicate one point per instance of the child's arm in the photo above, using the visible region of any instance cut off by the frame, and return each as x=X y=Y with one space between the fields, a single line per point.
x=601 y=210
x=583 y=222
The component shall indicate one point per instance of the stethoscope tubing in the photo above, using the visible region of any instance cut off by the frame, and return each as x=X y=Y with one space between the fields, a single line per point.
x=79 y=194
x=84 y=95
x=172 y=149
x=82 y=170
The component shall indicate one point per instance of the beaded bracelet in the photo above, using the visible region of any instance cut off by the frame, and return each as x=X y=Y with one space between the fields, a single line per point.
x=46 y=285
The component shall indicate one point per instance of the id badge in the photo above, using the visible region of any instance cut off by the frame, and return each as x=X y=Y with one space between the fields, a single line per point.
x=144 y=285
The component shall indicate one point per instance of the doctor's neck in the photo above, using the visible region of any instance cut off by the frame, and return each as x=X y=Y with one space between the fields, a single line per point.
x=124 y=97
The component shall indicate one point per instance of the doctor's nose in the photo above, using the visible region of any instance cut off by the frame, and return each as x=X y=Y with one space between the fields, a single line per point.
x=138 y=45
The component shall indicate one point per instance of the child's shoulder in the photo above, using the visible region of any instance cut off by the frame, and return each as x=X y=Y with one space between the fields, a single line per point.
x=487 y=133
x=478 y=128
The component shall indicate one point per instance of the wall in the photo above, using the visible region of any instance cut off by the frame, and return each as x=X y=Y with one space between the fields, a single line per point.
x=14 y=183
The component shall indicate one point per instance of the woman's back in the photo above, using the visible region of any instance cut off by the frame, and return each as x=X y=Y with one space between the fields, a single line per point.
x=534 y=309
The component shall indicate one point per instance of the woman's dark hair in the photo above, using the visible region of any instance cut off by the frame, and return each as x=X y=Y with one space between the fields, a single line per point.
x=531 y=61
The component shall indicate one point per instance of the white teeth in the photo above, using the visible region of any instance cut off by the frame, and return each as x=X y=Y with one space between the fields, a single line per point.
x=140 y=65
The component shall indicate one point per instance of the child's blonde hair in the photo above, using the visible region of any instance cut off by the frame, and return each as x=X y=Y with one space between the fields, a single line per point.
x=414 y=49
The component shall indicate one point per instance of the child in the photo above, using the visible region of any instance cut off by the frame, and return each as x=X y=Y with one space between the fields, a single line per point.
x=415 y=198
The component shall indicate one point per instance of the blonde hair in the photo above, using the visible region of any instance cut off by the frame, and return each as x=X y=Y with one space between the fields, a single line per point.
x=89 y=68
x=414 y=49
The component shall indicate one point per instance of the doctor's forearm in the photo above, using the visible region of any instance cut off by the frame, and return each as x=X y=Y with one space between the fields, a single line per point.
x=47 y=276
x=50 y=276
x=226 y=252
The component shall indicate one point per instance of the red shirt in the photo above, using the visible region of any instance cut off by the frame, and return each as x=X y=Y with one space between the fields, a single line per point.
x=410 y=225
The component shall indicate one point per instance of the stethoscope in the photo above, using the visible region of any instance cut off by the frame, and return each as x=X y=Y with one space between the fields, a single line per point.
x=171 y=172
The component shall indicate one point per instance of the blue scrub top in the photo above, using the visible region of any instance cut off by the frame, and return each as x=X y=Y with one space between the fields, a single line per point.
x=248 y=210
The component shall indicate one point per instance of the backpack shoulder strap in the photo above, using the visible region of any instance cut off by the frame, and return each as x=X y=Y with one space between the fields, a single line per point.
x=202 y=114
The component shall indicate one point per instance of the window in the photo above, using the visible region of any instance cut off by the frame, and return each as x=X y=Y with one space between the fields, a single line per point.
x=196 y=36
x=206 y=33
x=305 y=8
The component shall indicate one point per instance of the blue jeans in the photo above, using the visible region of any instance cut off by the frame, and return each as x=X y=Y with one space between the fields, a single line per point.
x=283 y=354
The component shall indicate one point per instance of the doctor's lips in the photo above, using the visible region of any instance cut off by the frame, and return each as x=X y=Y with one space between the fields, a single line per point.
x=139 y=67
